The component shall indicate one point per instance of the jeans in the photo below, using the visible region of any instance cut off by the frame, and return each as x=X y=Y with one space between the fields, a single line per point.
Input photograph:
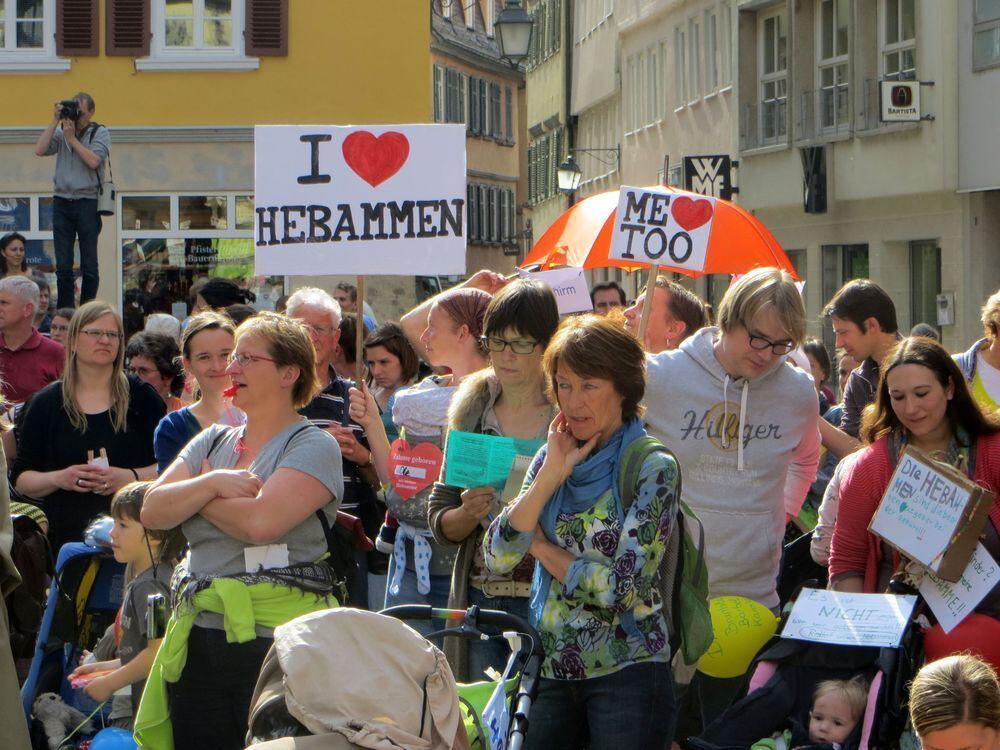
x=494 y=652
x=408 y=594
x=210 y=703
x=72 y=219
x=631 y=708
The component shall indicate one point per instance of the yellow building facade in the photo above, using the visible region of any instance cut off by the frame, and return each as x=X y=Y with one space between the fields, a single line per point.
x=181 y=112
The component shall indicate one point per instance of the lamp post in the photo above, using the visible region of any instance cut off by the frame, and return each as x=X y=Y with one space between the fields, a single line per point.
x=513 y=32
x=568 y=174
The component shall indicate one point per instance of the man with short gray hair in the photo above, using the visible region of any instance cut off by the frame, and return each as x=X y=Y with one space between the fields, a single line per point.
x=28 y=360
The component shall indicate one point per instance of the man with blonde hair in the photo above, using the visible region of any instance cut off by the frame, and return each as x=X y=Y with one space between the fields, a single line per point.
x=28 y=360
x=743 y=424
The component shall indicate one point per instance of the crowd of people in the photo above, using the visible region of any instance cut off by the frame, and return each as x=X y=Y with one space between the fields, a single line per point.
x=226 y=446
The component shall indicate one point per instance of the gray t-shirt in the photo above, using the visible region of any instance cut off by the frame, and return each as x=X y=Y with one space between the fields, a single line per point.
x=73 y=178
x=299 y=446
x=153 y=580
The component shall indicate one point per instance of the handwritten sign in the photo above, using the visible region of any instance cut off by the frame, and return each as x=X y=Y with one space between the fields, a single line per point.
x=475 y=460
x=359 y=200
x=849 y=619
x=662 y=227
x=932 y=514
x=953 y=602
x=413 y=468
x=569 y=286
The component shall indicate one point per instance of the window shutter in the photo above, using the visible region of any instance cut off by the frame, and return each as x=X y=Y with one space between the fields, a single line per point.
x=470 y=213
x=497 y=215
x=531 y=173
x=462 y=86
x=504 y=215
x=437 y=93
x=484 y=221
x=510 y=214
x=556 y=25
x=510 y=116
x=266 y=34
x=76 y=28
x=474 y=104
x=128 y=28
x=497 y=121
x=484 y=108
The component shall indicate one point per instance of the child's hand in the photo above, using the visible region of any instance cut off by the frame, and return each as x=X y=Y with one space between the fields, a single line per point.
x=83 y=669
x=99 y=689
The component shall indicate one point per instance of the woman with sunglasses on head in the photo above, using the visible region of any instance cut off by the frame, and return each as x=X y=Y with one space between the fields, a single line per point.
x=83 y=438
x=206 y=344
x=506 y=399
x=249 y=501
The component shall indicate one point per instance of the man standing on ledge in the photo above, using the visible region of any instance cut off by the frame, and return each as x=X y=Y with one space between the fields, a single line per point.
x=81 y=147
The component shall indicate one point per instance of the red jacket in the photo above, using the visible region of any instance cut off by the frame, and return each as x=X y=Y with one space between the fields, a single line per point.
x=854 y=549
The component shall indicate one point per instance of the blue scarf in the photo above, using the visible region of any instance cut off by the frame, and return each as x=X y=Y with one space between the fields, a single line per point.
x=590 y=479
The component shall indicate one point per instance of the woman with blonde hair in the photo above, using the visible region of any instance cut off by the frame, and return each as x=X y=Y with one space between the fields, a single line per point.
x=955 y=704
x=980 y=365
x=253 y=502
x=84 y=437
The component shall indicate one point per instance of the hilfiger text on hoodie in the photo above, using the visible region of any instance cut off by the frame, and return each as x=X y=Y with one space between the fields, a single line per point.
x=720 y=424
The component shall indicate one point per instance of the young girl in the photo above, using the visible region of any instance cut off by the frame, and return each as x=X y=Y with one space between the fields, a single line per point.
x=150 y=557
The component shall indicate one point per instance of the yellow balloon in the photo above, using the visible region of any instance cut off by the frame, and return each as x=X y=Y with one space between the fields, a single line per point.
x=742 y=627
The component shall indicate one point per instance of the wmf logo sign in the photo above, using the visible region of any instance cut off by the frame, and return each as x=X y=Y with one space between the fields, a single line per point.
x=709 y=175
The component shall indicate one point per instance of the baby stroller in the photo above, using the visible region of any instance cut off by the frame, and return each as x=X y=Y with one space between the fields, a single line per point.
x=783 y=679
x=346 y=678
x=84 y=598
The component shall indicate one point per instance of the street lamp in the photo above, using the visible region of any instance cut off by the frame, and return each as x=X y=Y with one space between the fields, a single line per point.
x=513 y=32
x=569 y=175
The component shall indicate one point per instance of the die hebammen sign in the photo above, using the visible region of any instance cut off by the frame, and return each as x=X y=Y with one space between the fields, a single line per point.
x=387 y=199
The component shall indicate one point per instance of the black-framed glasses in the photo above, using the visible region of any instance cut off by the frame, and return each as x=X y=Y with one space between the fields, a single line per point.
x=760 y=343
x=520 y=346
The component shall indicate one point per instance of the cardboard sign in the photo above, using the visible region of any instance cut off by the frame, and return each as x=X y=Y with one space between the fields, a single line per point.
x=953 y=602
x=412 y=469
x=849 y=619
x=662 y=227
x=569 y=286
x=386 y=199
x=932 y=513
x=476 y=460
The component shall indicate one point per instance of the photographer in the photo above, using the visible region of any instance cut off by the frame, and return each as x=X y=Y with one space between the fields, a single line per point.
x=82 y=147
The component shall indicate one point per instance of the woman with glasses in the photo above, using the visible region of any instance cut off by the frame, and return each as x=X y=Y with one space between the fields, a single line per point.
x=155 y=358
x=506 y=399
x=59 y=328
x=420 y=568
x=206 y=345
x=252 y=502
x=84 y=437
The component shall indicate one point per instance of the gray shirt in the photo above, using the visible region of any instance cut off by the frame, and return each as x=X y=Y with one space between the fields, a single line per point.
x=299 y=446
x=73 y=178
x=153 y=580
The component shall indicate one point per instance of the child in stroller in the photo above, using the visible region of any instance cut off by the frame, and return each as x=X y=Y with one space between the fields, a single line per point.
x=837 y=707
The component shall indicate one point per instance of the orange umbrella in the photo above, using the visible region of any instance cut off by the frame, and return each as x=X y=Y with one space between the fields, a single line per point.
x=581 y=237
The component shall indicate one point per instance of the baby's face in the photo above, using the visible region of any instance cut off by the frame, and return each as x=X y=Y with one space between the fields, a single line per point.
x=830 y=720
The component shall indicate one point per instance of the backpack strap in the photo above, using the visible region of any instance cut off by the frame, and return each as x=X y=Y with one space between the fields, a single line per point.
x=634 y=457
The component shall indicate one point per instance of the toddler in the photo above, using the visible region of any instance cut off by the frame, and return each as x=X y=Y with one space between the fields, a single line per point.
x=838 y=706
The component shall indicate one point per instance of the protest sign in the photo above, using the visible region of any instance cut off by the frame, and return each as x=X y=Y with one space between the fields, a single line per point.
x=953 y=602
x=373 y=200
x=932 y=513
x=569 y=287
x=413 y=468
x=475 y=460
x=849 y=619
x=661 y=227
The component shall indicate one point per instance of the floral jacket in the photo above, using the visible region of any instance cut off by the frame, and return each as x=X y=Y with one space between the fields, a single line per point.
x=615 y=573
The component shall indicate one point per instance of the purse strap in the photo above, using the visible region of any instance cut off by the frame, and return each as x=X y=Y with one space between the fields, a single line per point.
x=111 y=173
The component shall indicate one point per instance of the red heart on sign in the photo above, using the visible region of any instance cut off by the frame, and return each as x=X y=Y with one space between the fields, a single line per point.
x=691 y=214
x=373 y=159
x=413 y=469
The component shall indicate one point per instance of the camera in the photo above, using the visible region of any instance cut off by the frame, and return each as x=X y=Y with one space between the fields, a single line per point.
x=69 y=109
x=156 y=616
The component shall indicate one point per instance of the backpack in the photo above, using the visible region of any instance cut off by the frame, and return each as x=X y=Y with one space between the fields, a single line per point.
x=683 y=583
x=32 y=557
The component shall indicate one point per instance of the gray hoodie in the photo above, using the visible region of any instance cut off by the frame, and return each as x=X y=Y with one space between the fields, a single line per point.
x=740 y=489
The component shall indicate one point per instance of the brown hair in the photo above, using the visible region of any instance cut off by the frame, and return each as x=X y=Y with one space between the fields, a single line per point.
x=586 y=344
x=955 y=690
x=684 y=305
x=466 y=307
x=526 y=306
x=127 y=505
x=288 y=343
x=880 y=419
x=391 y=337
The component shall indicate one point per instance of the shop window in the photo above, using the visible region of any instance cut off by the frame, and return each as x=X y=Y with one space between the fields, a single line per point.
x=202 y=212
x=840 y=264
x=244 y=212
x=925 y=281
x=146 y=212
x=31 y=216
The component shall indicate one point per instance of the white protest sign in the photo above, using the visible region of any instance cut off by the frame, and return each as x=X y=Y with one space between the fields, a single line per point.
x=920 y=512
x=849 y=619
x=387 y=199
x=662 y=227
x=953 y=602
x=569 y=287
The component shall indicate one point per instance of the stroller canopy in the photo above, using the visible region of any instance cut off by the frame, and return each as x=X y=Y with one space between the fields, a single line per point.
x=365 y=676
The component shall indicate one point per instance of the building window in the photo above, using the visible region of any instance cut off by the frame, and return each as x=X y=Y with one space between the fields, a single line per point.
x=726 y=43
x=711 y=51
x=773 y=43
x=925 y=281
x=31 y=216
x=680 y=67
x=171 y=242
x=28 y=36
x=197 y=34
x=694 y=59
x=840 y=264
x=986 y=35
x=654 y=86
x=899 y=44
x=834 y=19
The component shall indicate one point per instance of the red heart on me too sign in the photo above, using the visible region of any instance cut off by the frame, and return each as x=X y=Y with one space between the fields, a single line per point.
x=412 y=469
x=373 y=159
x=691 y=214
